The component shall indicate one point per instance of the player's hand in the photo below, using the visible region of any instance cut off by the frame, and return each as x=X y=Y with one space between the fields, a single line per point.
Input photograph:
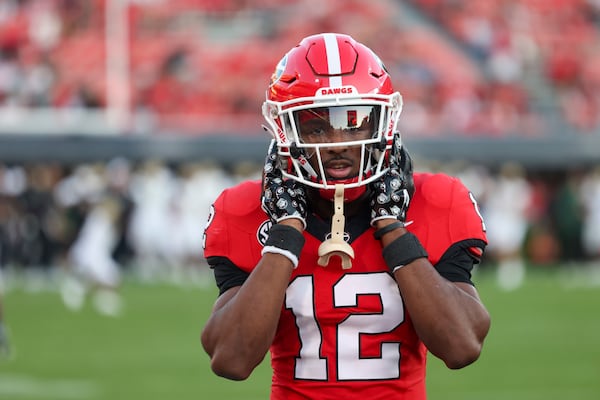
x=281 y=199
x=391 y=193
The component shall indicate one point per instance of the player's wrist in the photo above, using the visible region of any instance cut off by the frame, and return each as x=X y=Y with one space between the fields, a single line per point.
x=385 y=226
x=294 y=222
x=402 y=251
x=285 y=240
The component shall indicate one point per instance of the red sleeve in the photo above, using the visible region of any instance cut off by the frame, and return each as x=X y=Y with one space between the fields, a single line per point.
x=237 y=225
x=443 y=212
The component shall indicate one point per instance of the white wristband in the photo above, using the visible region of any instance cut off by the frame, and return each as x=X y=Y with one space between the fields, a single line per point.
x=286 y=253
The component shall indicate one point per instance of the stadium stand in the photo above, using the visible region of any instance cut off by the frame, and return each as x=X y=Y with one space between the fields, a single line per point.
x=473 y=68
x=490 y=81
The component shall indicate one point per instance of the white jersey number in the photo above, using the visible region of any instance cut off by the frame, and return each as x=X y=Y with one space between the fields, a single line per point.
x=350 y=364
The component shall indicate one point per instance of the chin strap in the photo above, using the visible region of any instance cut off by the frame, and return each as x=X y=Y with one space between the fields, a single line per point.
x=336 y=245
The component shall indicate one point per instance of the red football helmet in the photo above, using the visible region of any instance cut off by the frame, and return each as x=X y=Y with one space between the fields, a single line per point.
x=339 y=80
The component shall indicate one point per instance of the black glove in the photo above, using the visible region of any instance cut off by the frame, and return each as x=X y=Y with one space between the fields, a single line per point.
x=281 y=199
x=391 y=193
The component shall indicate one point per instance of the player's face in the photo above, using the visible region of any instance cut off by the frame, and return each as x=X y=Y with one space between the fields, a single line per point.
x=339 y=126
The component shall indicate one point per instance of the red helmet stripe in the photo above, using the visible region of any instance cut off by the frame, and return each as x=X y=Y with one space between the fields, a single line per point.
x=333 y=59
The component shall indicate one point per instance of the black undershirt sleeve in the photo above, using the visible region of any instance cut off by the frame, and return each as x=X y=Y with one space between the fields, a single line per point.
x=455 y=265
x=227 y=275
x=457 y=262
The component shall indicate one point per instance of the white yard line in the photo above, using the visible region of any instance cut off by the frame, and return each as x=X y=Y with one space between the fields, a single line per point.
x=13 y=386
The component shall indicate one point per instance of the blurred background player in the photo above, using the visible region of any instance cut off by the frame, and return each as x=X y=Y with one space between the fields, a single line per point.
x=507 y=219
x=590 y=195
x=93 y=270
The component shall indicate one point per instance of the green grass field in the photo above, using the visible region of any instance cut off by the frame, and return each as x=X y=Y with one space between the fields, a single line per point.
x=544 y=344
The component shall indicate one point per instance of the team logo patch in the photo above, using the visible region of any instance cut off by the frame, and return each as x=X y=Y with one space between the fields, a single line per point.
x=262 y=234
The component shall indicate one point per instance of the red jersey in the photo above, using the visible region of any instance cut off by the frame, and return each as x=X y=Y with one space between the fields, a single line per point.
x=345 y=334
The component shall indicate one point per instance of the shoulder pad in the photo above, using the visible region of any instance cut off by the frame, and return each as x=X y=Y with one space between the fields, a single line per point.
x=241 y=199
x=237 y=225
x=444 y=212
x=438 y=189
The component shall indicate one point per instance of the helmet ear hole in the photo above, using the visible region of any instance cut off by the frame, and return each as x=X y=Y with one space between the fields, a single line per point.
x=295 y=152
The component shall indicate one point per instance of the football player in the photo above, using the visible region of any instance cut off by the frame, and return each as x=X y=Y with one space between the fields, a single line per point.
x=344 y=264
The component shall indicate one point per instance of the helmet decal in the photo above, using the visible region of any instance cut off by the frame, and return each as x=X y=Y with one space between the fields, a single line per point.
x=279 y=69
x=327 y=91
x=333 y=60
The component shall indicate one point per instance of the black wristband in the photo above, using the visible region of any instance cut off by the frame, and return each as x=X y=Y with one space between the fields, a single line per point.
x=285 y=240
x=388 y=228
x=403 y=251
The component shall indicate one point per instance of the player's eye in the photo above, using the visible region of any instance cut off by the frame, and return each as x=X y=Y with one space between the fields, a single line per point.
x=317 y=131
x=314 y=131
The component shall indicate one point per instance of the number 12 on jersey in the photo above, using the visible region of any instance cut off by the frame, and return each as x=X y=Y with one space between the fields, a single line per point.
x=300 y=299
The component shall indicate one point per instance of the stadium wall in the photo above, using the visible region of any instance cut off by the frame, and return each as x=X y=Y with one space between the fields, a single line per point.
x=556 y=152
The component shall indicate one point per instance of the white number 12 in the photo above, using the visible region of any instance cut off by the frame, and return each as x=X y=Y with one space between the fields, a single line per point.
x=350 y=364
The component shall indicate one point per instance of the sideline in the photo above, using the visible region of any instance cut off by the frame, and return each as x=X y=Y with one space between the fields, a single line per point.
x=14 y=386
